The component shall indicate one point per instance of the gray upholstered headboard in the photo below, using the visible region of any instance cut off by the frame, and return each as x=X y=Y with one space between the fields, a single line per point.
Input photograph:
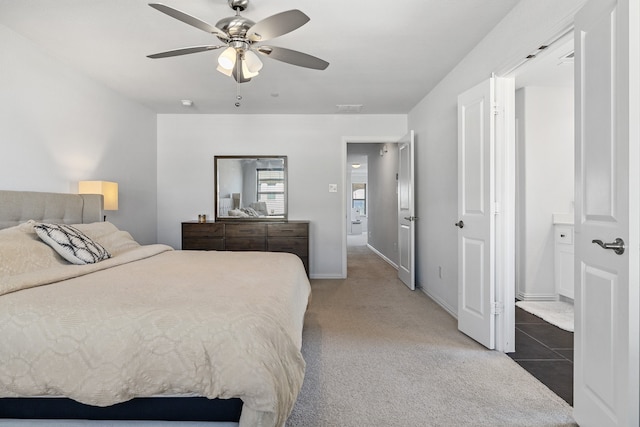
x=19 y=206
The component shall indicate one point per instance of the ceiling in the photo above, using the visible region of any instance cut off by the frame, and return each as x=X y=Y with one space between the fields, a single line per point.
x=385 y=55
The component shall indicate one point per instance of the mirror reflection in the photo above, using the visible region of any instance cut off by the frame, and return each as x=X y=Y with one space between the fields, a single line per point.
x=251 y=187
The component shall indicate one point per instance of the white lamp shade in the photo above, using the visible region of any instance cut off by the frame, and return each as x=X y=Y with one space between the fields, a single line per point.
x=225 y=71
x=109 y=191
x=227 y=59
x=246 y=72
x=253 y=62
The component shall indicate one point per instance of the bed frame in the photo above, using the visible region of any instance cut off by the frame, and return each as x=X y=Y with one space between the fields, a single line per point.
x=20 y=206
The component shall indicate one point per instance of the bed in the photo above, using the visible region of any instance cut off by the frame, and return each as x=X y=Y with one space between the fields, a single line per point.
x=147 y=328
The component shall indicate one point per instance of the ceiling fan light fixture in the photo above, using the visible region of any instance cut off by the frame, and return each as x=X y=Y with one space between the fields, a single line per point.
x=253 y=62
x=246 y=72
x=239 y=59
x=225 y=71
x=227 y=59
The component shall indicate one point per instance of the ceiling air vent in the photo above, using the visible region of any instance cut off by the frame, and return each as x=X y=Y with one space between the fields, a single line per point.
x=349 y=108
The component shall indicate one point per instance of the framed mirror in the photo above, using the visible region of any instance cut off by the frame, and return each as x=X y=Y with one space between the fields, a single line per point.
x=250 y=188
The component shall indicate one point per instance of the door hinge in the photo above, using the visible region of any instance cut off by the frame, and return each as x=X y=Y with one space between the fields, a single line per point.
x=496 y=208
x=497 y=308
x=495 y=109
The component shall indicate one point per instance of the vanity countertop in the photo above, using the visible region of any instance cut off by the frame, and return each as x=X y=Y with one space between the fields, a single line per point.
x=563 y=218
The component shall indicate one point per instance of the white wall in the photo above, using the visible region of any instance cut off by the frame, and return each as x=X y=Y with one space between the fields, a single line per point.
x=434 y=119
x=383 y=201
x=58 y=127
x=545 y=182
x=229 y=177
x=315 y=148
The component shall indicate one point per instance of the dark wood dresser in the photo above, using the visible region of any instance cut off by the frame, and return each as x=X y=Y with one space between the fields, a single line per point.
x=290 y=236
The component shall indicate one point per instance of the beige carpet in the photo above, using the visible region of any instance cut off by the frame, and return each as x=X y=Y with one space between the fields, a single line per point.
x=379 y=354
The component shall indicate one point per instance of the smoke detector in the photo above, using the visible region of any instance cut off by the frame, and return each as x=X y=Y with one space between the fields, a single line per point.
x=349 y=108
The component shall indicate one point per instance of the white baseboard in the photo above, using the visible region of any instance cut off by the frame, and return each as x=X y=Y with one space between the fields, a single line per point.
x=453 y=312
x=391 y=263
x=522 y=296
x=566 y=299
x=326 y=276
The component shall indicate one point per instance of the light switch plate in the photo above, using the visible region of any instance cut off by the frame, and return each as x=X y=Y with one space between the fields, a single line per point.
x=333 y=188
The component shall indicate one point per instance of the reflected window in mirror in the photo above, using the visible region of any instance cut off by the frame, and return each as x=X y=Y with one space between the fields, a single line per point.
x=271 y=190
x=251 y=187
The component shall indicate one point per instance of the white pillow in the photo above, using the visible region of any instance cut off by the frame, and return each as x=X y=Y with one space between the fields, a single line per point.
x=115 y=241
x=71 y=243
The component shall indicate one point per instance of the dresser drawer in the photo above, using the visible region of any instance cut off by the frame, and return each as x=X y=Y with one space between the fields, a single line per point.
x=202 y=236
x=203 y=244
x=297 y=246
x=200 y=230
x=287 y=230
x=245 y=230
x=245 y=244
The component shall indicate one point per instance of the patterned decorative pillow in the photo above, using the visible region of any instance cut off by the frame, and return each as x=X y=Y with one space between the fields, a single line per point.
x=71 y=243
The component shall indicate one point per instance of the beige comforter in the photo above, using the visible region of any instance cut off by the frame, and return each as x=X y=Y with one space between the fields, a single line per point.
x=153 y=321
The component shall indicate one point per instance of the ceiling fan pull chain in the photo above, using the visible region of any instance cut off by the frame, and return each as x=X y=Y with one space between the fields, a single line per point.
x=238 y=69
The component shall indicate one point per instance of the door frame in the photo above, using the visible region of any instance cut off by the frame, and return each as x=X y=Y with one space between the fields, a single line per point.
x=505 y=225
x=505 y=181
x=343 y=185
x=506 y=260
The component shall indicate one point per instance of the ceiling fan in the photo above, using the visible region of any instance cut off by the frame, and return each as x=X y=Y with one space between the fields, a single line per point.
x=240 y=37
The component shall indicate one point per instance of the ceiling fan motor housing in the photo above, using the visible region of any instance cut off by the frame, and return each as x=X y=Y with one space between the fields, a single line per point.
x=236 y=26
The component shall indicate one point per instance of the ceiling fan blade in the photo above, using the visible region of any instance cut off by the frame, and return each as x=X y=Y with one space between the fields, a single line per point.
x=188 y=19
x=183 y=51
x=277 y=25
x=293 y=57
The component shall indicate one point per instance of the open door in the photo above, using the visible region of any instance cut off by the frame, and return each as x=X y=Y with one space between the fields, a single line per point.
x=606 y=385
x=476 y=221
x=406 y=212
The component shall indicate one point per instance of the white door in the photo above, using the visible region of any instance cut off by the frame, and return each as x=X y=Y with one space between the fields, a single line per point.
x=607 y=161
x=476 y=220
x=406 y=212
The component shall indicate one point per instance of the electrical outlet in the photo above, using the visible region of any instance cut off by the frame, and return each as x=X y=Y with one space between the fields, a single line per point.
x=333 y=188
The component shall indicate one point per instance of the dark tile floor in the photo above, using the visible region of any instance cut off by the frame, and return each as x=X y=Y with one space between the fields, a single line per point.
x=546 y=352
